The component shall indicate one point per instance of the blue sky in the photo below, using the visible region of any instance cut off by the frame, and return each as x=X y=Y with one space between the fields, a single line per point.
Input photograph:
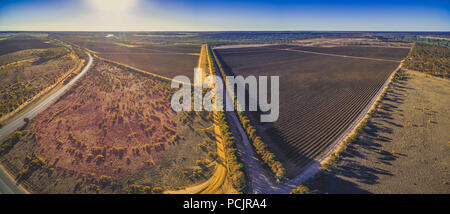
x=210 y=15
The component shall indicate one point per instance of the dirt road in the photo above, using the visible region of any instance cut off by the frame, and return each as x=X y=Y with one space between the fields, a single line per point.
x=215 y=183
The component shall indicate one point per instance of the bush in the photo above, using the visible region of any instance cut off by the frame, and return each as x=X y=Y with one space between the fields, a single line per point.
x=302 y=189
x=157 y=190
x=261 y=149
x=139 y=189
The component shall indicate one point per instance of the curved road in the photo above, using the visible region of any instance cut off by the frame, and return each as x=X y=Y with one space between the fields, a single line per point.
x=7 y=183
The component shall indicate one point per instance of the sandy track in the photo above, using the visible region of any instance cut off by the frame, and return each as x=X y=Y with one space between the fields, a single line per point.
x=215 y=183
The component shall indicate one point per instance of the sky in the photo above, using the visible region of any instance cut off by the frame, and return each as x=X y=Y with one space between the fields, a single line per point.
x=221 y=15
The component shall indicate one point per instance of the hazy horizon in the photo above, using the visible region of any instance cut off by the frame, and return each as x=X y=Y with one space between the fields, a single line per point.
x=232 y=15
x=218 y=31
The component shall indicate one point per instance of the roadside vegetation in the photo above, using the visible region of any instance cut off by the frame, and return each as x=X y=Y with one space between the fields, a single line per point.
x=302 y=189
x=263 y=151
x=316 y=104
x=268 y=157
x=233 y=164
x=28 y=73
x=112 y=132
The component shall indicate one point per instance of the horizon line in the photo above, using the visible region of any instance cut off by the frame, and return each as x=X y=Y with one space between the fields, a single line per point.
x=99 y=31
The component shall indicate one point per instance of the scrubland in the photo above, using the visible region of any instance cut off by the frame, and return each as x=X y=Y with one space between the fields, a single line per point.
x=114 y=131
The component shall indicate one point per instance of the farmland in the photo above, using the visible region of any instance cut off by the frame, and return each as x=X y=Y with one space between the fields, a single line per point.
x=114 y=131
x=369 y=52
x=29 y=67
x=168 y=60
x=320 y=94
x=402 y=149
x=13 y=45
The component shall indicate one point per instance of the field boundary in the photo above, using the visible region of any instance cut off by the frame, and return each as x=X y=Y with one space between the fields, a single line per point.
x=217 y=180
x=360 y=119
x=336 y=147
x=219 y=176
x=318 y=163
x=337 y=55
x=260 y=147
x=315 y=165
x=363 y=116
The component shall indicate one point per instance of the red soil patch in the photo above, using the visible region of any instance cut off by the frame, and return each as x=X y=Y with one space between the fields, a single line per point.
x=112 y=123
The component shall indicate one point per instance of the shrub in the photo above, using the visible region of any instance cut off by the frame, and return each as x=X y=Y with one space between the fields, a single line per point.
x=302 y=189
x=157 y=190
x=234 y=167
x=139 y=189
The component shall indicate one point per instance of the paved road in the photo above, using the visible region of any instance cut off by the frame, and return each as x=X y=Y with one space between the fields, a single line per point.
x=7 y=183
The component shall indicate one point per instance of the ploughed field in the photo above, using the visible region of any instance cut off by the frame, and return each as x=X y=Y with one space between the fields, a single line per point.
x=165 y=60
x=369 y=52
x=16 y=44
x=320 y=95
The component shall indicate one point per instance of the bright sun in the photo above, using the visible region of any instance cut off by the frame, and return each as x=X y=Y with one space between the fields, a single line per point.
x=114 y=6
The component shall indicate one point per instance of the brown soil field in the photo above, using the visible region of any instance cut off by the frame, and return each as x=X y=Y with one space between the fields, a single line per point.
x=114 y=131
x=168 y=65
x=13 y=45
x=351 y=41
x=164 y=60
x=371 y=52
x=404 y=146
x=106 y=47
x=23 y=74
x=320 y=96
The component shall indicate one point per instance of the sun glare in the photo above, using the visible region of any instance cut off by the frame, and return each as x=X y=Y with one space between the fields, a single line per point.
x=112 y=5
